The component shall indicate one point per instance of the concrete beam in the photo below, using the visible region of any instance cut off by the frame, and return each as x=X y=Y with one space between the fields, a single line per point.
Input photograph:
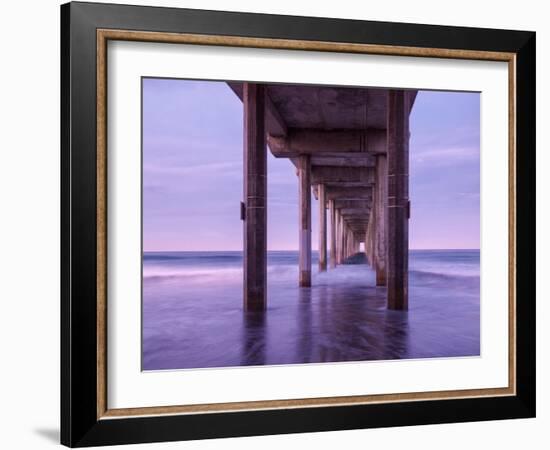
x=361 y=204
x=362 y=212
x=335 y=174
x=356 y=221
x=344 y=160
x=347 y=184
x=316 y=142
x=352 y=193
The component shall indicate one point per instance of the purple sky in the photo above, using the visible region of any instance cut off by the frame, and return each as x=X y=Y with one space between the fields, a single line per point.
x=192 y=171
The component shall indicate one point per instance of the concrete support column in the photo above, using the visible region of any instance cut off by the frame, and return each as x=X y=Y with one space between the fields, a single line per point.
x=368 y=241
x=332 y=234
x=304 y=177
x=322 y=228
x=380 y=217
x=255 y=194
x=346 y=247
x=338 y=237
x=345 y=244
x=398 y=199
x=372 y=239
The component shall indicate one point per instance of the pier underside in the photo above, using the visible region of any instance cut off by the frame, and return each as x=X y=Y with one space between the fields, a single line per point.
x=350 y=147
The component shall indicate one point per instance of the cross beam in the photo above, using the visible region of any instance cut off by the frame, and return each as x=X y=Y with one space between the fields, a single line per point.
x=335 y=174
x=311 y=141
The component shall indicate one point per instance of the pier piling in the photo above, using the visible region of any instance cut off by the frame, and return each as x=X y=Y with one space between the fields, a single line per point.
x=322 y=229
x=255 y=189
x=304 y=177
x=398 y=198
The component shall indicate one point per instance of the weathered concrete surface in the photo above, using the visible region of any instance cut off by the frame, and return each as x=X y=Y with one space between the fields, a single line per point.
x=355 y=193
x=322 y=229
x=398 y=198
x=255 y=191
x=308 y=141
x=332 y=234
x=328 y=107
x=304 y=177
x=335 y=174
x=380 y=219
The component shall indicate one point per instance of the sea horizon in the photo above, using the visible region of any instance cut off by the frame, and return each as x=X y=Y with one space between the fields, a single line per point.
x=295 y=250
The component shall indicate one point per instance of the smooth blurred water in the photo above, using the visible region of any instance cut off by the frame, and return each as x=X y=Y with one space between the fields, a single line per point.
x=193 y=316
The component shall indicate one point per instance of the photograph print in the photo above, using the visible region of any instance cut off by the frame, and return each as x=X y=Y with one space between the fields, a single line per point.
x=307 y=224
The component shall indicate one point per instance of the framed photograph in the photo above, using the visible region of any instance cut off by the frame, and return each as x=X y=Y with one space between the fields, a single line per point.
x=276 y=224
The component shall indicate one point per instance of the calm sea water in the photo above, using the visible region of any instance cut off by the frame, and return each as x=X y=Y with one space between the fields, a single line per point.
x=193 y=317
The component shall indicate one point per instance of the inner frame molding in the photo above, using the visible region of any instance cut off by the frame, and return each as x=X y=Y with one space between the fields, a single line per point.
x=104 y=35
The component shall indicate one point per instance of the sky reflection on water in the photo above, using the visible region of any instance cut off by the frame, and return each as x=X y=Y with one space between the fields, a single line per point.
x=193 y=317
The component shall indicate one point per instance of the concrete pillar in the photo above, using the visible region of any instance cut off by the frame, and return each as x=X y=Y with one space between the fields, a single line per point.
x=368 y=241
x=380 y=217
x=332 y=234
x=344 y=243
x=398 y=198
x=255 y=190
x=338 y=237
x=372 y=232
x=304 y=177
x=322 y=228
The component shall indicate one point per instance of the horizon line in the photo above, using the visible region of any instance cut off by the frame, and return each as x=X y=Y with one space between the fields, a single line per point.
x=285 y=250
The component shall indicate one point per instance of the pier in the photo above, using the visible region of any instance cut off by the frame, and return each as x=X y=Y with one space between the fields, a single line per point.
x=350 y=147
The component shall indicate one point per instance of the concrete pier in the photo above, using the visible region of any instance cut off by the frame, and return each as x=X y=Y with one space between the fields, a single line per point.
x=350 y=147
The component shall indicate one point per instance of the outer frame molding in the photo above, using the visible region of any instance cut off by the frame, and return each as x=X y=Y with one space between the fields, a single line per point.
x=85 y=419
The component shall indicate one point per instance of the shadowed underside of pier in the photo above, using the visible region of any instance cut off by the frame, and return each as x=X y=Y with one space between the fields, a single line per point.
x=350 y=147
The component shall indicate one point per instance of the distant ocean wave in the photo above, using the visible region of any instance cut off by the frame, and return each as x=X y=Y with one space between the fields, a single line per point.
x=217 y=273
x=282 y=265
x=453 y=263
x=185 y=272
x=192 y=256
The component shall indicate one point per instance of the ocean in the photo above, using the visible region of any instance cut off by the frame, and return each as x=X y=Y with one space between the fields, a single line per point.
x=193 y=317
